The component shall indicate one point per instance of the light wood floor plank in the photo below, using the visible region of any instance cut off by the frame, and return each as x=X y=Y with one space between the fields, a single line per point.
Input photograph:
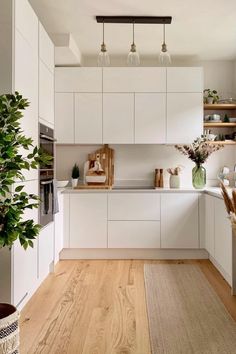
x=97 y=307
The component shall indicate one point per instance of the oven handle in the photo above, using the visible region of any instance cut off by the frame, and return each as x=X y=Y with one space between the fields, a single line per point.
x=47 y=137
x=43 y=183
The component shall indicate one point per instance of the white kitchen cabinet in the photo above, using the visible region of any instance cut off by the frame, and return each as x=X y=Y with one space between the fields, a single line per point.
x=88 y=220
x=26 y=23
x=184 y=117
x=123 y=79
x=210 y=224
x=150 y=118
x=223 y=237
x=46 y=94
x=73 y=79
x=118 y=118
x=64 y=118
x=46 y=49
x=133 y=234
x=185 y=79
x=88 y=118
x=25 y=263
x=59 y=227
x=134 y=206
x=26 y=83
x=46 y=250
x=179 y=220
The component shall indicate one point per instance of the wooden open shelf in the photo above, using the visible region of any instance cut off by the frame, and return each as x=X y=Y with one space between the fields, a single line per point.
x=223 y=106
x=226 y=142
x=218 y=125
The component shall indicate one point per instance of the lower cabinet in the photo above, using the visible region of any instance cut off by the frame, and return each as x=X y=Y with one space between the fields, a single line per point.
x=46 y=250
x=209 y=224
x=59 y=227
x=88 y=220
x=133 y=234
x=223 y=237
x=179 y=220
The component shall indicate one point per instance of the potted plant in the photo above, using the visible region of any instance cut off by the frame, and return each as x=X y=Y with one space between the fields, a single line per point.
x=14 y=200
x=174 y=176
x=75 y=175
x=198 y=152
x=210 y=96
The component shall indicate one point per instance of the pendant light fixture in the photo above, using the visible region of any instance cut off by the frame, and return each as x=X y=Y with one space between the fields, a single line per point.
x=133 y=56
x=103 y=56
x=164 y=56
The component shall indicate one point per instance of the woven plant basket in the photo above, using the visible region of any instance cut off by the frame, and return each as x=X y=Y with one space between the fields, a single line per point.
x=9 y=329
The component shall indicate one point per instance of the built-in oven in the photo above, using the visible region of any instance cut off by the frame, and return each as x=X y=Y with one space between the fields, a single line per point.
x=46 y=176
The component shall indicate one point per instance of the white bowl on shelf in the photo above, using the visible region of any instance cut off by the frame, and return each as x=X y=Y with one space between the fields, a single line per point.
x=232 y=120
x=62 y=184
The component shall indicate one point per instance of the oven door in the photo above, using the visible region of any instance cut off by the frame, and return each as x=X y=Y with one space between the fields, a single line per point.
x=46 y=204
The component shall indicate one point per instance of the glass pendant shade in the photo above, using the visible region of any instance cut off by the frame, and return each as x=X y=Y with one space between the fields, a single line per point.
x=164 y=56
x=133 y=58
x=103 y=56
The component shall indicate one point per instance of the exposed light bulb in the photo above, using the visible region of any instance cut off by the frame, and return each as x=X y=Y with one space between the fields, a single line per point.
x=164 y=56
x=103 y=56
x=133 y=58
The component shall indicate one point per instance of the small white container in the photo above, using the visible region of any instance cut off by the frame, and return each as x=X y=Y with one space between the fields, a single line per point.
x=74 y=182
x=174 y=181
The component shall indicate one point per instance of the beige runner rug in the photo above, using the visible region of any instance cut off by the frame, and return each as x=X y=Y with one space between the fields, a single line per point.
x=185 y=314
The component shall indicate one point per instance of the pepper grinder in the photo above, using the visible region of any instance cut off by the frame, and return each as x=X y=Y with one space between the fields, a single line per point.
x=161 y=181
x=157 y=178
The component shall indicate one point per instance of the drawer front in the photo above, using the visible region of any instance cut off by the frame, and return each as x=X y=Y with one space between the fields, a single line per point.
x=134 y=206
x=133 y=234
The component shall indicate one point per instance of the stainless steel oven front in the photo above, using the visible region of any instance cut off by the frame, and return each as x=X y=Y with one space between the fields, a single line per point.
x=46 y=176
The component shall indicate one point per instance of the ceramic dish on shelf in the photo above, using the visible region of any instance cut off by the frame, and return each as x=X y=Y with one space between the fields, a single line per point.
x=232 y=120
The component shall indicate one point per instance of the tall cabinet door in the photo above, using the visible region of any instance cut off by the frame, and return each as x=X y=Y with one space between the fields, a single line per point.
x=150 y=118
x=88 y=118
x=64 y=118
x=184 y=117
x=118 y=118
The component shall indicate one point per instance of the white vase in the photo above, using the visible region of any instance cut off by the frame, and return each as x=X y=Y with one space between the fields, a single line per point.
x=210 y=100
x=174 y=181
x=74 y=182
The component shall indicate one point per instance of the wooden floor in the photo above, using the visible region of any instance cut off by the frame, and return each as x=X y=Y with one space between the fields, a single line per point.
x=97 y=307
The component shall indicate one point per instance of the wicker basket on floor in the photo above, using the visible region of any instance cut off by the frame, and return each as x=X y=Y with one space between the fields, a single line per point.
x=9 y=329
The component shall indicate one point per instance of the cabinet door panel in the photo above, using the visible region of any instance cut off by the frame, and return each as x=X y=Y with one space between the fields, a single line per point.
x=179 y=220
x=134 y=79
x=46 y=93
x=209 y=224
x=46 y=250
x=134 y=206
x=88 y=118
x=59 y=227
x=185 y=79
x=184 y=117
x=133 y=234
x=64 y=118
x=88 y=221
x=223 y=237
x=118 y=118
x=46 y=49
x=73 y=79
x=25 y=265
x=150 y=118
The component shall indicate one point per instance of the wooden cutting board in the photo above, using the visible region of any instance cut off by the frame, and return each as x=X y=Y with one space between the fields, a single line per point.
x=97 y=186
x=106 y=158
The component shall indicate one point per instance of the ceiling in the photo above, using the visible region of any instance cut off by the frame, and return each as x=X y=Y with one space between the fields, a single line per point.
x=203 y=29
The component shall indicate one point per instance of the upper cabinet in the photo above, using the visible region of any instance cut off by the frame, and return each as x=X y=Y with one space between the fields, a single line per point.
x=78 y=80
x=144 y=105
x=134 y=79
x=64 y=113
x=46 y=78
x=185 y=79
x=150 y=118
x=88 y=118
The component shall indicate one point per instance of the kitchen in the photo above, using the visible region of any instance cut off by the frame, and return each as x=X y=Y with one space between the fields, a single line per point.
x=104 y=236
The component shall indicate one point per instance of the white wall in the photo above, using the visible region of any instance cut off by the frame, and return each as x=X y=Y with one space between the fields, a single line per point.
x=137 y=162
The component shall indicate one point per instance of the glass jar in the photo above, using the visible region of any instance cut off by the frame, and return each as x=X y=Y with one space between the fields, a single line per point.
x=199 y=177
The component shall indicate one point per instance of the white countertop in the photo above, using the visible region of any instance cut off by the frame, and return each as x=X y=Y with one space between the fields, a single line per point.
x=214 y=191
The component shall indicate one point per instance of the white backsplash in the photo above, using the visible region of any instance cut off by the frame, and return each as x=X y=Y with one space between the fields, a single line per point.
x=135 y=164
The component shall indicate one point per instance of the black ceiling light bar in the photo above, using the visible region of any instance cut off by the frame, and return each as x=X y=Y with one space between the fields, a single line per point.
x=135 y=19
